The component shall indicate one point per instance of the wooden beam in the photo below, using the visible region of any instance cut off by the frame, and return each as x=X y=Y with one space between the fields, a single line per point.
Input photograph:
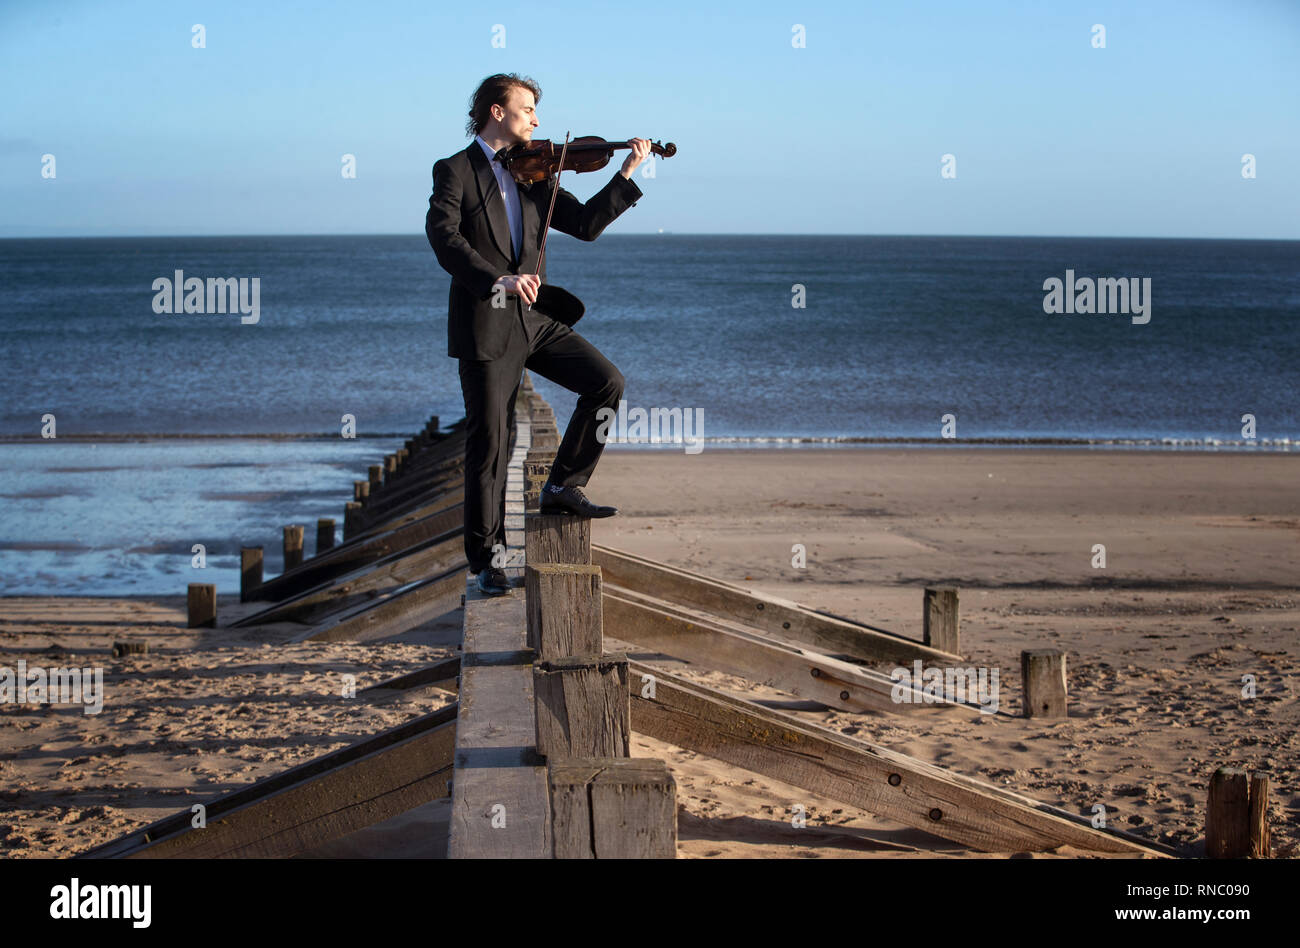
x=776 y=617
x=662 y=627
x=499 y=807
x=365 y=583
x=875 y=779
x=425 y=507
x=364 y=783
x=394 y=611
x=361 y=551
x=414 y=491
x=444 y=675
x=441 y=496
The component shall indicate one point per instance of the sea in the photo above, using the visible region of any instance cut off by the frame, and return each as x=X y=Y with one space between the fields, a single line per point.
x=133 y=435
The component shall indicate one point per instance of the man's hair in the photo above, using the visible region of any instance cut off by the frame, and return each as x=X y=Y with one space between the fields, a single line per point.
x=495 y=90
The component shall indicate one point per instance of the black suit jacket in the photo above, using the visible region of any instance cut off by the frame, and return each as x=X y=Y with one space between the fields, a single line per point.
x=469 y=232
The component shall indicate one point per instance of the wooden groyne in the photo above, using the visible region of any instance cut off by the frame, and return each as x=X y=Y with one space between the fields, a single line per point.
x=553 y=678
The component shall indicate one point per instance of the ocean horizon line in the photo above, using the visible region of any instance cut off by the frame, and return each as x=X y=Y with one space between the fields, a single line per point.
x=1278 y=445
x=669 y=233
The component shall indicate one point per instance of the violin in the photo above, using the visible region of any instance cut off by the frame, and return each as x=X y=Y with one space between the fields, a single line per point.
x=539 y=160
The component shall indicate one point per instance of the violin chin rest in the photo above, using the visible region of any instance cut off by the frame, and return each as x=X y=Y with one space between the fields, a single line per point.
x=559 y=304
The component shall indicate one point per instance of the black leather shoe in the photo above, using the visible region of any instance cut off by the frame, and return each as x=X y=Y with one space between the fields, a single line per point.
x=493 y=582
x=570 y=500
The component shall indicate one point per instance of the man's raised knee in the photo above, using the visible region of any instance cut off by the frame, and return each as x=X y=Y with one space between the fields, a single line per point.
x=615 y=384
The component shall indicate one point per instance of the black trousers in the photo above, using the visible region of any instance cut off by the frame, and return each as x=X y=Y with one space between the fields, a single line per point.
x=557 y=353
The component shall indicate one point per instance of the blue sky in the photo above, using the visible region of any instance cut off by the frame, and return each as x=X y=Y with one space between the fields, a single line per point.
x=1051 y=136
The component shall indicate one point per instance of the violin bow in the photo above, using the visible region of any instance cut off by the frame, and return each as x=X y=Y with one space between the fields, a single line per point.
x=541 y=254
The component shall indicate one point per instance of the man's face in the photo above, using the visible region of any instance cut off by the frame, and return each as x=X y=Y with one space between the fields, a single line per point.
x=520 y=116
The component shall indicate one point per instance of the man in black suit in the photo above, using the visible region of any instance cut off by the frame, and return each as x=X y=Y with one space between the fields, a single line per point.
x=486 y=231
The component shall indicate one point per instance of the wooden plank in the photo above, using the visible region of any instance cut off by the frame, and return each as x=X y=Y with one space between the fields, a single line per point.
x=273 y=815
x=369 y=791
x=499 y=805
x=446 y=494
x=362 y=551
x=874 y=779
x=663 y=627
x=432 y=505
x=367 y=582
x=417 y=489
x=776 y=617
x=443 y=675
x=395 y=611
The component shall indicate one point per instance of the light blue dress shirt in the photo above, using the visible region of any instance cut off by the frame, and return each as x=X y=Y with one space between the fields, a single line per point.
x=510 y=194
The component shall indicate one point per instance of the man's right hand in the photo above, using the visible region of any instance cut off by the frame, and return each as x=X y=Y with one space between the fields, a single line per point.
x=523 y=285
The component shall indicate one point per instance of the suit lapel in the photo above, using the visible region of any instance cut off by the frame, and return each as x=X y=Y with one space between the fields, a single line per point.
x=532 y=226
x=490 y=195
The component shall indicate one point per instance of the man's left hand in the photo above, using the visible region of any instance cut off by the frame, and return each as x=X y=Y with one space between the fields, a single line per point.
x=640 y=148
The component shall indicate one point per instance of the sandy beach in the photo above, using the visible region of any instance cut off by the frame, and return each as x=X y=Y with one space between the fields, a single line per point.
x=1201 y=588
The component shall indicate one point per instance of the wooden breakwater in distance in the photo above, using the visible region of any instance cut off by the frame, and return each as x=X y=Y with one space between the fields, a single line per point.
x=534 y=754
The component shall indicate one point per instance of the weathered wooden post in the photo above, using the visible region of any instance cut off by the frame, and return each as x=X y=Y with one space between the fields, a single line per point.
x=612 y=808
x=537 y=469
x=351 y=520
x=1042 y=675
x=941 y=625
x=250 y=572
x=564 y=609
x=556 y=538
x=390 y=466
x=324 y=534
x=1236 y=815
x=544 y=432
x=360 y=491
x=376 y=477
x=583 y=708
x=202 y=605
x=292 y=546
